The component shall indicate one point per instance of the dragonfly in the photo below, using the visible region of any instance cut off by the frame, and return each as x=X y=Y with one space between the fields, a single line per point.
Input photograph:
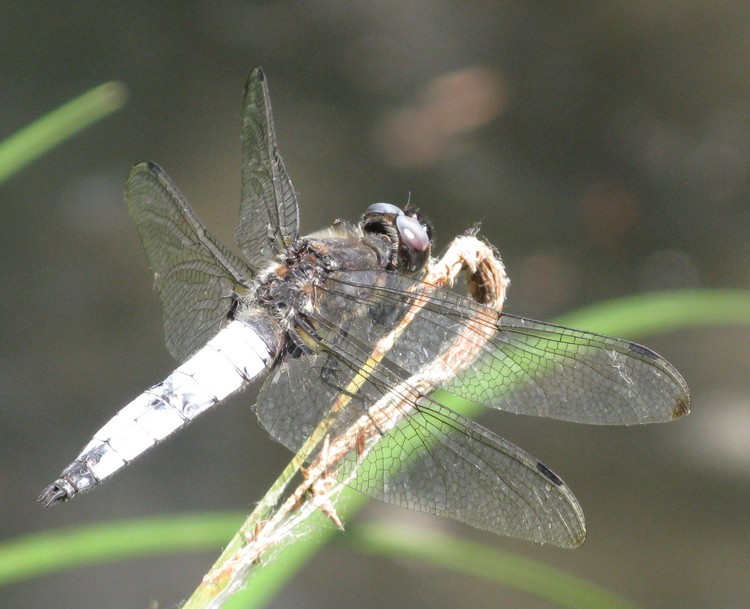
x=356 y=327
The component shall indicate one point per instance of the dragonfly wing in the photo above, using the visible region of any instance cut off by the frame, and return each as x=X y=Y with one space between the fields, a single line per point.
x=197 y=279
x=413 y=451
x=386 y=342
x=269 y=216
x=458 y=469
x=520 y=365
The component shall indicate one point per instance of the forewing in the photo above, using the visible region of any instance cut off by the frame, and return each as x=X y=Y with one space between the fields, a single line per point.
x=519 y=365
x=197 y=279
x=269 y=216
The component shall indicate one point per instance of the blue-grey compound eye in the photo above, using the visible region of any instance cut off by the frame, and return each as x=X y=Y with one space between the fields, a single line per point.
x=384 y=208
x=414 y=248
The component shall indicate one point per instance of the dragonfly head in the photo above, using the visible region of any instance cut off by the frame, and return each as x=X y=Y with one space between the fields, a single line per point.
x=408 y=233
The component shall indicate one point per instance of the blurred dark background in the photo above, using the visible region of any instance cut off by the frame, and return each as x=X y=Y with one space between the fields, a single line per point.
x=604 y=146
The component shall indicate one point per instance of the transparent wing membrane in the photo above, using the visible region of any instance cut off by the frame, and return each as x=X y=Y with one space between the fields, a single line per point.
x=404 y=446
x=269 y=216
x=524 y=366
x=196 y=277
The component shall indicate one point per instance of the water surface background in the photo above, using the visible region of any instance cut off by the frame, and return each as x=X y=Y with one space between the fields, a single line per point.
x=605 y=148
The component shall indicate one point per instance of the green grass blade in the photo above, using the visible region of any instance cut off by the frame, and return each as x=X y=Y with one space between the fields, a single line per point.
x=479 y=560
x=647 y=314
x=47 y=132
x=52 y=551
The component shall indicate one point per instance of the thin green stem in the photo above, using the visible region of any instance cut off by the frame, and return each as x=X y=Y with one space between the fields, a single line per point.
x=52 y=551
x=655 y=312
x=47 y=132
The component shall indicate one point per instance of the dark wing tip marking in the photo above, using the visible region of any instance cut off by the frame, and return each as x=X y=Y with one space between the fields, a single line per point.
x=641 y=350
x=549 y=474
x=257 y=75
x=145 y=167
x=151 y=166
x=681 y=407
x=52 y=495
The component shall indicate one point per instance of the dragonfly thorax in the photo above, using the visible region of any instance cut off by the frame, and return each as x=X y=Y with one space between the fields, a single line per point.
x=287 y=291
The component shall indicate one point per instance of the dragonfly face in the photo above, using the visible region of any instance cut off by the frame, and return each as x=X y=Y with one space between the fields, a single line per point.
x=356 y=333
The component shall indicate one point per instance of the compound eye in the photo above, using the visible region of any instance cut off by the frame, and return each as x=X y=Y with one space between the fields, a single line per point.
x=384 y=208
x=414 y=243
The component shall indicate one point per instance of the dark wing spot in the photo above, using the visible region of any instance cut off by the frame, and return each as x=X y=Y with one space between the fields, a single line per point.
x=641 y=350
x=681 y=407
x=154 y=168
x=550 y=474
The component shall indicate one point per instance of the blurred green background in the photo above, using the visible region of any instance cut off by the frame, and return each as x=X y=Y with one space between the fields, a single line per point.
x=604 y=146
